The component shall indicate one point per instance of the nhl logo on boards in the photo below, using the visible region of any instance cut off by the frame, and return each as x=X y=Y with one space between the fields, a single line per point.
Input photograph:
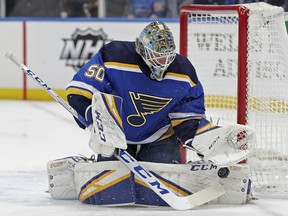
x=82 y=45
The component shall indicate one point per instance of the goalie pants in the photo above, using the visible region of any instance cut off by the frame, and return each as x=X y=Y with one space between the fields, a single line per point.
x=164 y=151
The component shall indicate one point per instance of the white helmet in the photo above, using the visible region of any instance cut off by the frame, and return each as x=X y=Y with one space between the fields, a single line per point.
x=157 y=48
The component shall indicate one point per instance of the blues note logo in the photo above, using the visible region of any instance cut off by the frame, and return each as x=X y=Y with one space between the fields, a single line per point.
x=145 y=105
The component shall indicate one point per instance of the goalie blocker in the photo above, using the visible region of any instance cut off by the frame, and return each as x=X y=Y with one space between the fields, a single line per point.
x=111 y=183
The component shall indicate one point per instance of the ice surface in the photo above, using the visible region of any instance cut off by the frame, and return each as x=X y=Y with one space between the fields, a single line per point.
x=32 y=133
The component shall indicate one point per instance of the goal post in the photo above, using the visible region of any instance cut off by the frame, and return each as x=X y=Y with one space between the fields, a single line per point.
x=240 y=53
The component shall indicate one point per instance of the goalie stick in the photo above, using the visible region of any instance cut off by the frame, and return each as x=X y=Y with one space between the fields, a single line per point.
x=176 y=202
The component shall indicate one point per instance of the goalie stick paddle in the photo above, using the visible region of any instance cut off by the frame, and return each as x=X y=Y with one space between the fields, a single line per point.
x=176 y=202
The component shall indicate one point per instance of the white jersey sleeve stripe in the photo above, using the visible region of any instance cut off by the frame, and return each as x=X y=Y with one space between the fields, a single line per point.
x=184 y=115
x=81 y=85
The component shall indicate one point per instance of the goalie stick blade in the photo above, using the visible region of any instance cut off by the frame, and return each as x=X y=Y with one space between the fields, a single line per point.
x=204 y=196
x=176 y=202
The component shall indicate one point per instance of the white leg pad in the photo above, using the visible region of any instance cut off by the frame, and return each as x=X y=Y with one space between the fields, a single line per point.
x=69 y=179
x=61 y=177
x=194 y=177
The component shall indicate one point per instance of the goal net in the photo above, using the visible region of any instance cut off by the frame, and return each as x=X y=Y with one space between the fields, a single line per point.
x=240 y=53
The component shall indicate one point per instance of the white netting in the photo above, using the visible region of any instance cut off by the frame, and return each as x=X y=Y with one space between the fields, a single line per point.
x=212 y=47
x=267 y=69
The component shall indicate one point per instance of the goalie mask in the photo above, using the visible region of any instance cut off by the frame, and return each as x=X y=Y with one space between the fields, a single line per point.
x=157 y=48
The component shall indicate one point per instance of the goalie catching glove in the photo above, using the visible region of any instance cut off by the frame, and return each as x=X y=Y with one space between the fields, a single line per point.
x=222 y=145
x=106 y=132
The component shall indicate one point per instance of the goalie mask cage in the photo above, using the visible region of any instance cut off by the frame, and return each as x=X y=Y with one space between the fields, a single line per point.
x=240 y=53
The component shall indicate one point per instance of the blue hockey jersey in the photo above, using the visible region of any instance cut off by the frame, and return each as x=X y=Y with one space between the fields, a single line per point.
x=152 y=110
